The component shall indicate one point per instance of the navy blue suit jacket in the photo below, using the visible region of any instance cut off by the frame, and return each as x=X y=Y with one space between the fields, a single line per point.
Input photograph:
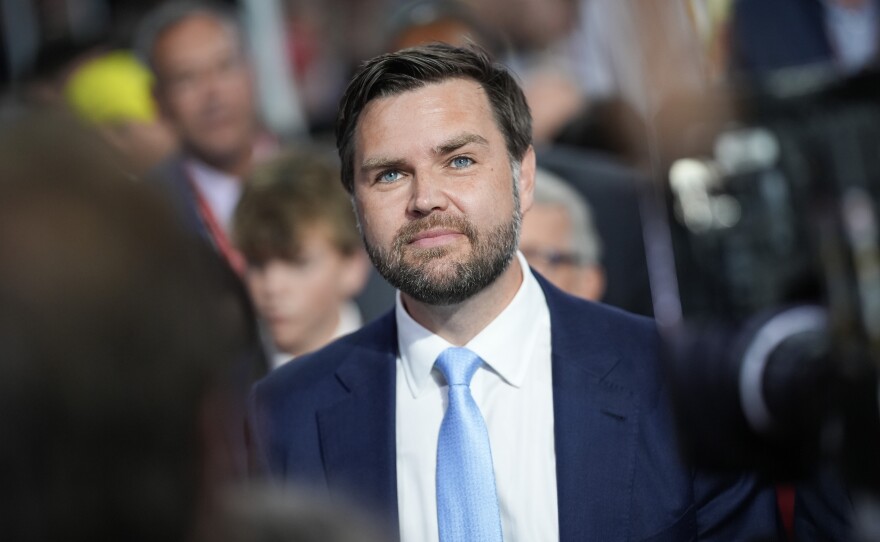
x=328 y=420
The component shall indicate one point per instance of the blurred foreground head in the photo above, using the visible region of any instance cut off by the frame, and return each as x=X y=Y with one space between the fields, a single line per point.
x=111 y=335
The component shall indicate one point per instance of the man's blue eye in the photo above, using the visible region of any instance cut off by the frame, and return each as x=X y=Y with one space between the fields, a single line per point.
x=389 y=176
x=461 y=162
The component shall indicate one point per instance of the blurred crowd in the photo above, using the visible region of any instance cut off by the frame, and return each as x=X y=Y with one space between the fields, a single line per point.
x=172 y=224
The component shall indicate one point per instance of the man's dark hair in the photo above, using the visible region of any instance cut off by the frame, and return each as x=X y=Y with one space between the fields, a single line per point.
x=409 y=69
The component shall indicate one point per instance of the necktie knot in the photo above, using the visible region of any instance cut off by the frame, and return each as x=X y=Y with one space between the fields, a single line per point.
x=458 y=365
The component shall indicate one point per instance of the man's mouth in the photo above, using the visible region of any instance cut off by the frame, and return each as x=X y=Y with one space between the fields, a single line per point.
x=434 y=237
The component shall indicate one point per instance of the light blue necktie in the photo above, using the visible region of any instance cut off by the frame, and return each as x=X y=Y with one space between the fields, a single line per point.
x=467 y=505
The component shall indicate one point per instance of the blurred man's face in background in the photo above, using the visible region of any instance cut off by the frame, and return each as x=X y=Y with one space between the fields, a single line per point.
x=548 y=244
x=205 y=89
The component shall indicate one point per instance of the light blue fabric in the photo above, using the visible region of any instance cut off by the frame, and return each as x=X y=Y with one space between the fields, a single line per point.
x=467 y=503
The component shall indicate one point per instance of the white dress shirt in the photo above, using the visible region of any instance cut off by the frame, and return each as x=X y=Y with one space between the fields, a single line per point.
x=514 y=392
x=221 y=191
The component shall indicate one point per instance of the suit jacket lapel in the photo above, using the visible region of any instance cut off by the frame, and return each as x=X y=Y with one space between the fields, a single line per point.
x=358 y=433
x=595 y=426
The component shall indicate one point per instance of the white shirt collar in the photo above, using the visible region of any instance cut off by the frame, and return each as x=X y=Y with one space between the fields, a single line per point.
x=495 y=344
x=220 y=190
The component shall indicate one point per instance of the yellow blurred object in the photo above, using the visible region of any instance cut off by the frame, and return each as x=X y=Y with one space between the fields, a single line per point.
x=114 y=87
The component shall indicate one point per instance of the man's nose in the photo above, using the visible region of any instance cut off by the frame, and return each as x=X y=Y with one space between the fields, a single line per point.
x=427 y=195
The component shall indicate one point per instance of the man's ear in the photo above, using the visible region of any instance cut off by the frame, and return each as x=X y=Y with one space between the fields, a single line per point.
x=527 y=180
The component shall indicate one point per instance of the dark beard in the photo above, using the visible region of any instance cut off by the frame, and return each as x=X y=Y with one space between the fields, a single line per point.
x=490 y=255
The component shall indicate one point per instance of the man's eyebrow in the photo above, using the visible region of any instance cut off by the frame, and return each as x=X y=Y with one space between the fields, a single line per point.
x=381 y=162
x=450 y=145
x=459 y=141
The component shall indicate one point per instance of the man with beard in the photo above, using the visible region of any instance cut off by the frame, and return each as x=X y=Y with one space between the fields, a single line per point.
x=555 y=424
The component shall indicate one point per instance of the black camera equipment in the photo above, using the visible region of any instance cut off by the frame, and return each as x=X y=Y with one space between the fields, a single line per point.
x=764 y=242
